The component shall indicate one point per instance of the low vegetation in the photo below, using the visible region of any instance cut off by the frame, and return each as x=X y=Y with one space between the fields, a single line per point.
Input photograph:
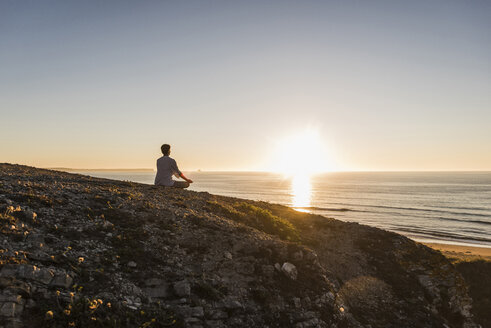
x=256 y=217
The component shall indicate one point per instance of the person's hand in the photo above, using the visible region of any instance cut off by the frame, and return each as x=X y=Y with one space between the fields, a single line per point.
x=189 y=180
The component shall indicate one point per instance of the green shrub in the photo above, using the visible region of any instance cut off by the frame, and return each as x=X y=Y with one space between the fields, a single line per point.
x=256 y=217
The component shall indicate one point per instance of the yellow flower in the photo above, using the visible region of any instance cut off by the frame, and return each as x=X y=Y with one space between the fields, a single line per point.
x=57 y=293
x=66 y=311
x=49 y=315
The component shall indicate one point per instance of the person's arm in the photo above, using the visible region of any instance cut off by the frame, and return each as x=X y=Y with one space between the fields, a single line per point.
x=186 y=179
x=179 y=174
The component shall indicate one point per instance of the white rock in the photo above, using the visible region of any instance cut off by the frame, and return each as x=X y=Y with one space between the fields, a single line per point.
x=289 y=270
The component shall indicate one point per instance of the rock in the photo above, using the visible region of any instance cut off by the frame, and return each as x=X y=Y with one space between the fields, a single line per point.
x=42 y=275
x=192 y=322
x=131 y=289
x=296 y=302
x=30 y=215
x=182 y=288
x=106 y=224
x=215 y=324
x=231 y=304
x=30 y=304
x=289 y=270
x=427 y=283
x=36 y=239
x=161 y=291
x=62 y=280
x=11 y=298
x=268 y=270
x=8 y=270
x=188 y=311
x=297 y=256
x=11 y=309
x=310 y=256
x=223 y=268
x=218 y=314
x=308 y=324
x=197 y=312
x=245 y=268
x=153 y=282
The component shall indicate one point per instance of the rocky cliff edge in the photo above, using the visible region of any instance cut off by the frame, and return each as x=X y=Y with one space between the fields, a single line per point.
x=78 y=251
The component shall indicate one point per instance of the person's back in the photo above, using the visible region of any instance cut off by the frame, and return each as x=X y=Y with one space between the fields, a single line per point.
x=166 y=168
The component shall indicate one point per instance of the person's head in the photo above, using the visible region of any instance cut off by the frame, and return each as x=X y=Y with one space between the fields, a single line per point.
x=165 y=149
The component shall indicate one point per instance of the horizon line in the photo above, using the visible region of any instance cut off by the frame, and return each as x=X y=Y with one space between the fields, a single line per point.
x=260 y=171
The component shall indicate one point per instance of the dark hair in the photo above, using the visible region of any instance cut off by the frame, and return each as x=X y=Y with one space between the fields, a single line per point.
x=165 y=149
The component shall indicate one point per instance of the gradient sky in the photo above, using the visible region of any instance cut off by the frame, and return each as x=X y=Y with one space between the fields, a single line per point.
x=389 y=85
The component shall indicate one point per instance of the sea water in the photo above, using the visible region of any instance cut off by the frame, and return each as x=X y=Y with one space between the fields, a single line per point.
x=441 y=207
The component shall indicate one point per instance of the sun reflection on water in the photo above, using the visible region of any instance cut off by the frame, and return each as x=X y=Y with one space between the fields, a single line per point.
x=301 y=191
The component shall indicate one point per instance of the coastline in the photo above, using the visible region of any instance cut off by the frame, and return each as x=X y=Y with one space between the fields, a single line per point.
x=462 y=253
x=272 y=188
x=213 y=261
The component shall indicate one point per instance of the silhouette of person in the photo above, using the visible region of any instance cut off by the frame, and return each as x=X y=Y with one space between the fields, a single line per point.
x=166 y=168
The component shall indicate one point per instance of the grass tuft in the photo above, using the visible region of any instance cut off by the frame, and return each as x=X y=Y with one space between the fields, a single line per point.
x=256 y=217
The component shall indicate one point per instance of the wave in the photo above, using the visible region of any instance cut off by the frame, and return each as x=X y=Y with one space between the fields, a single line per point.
x=465 y=221
x=331 y=209
x=428 y=210
x=441 y=218
x=344 y=209
x=445 y=235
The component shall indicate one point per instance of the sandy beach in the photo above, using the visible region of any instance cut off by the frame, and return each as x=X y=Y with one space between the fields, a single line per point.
x=463 y=253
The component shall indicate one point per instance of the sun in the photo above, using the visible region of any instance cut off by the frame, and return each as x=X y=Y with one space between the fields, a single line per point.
x=301 y=154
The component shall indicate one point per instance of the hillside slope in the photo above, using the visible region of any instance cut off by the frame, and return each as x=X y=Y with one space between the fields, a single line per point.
x=78 y=251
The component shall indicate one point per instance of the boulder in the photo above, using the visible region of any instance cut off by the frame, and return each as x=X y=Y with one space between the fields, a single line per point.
x=62 y=280
x=289 y=270
x=182 y=288
x=161 y=291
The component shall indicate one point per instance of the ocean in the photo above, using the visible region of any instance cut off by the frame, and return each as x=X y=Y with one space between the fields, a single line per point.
x=438 y=207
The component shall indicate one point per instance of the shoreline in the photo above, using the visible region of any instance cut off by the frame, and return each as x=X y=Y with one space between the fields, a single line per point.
x=213 y=261
x=462 y=253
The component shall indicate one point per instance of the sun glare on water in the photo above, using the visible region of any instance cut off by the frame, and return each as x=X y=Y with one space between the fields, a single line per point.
x=301 y=190
x=298 y=158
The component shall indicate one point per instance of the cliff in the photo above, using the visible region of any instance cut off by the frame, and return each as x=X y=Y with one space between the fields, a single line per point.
x=78 y=251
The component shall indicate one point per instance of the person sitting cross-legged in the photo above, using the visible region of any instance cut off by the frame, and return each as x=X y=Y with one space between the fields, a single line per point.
x=166 y=168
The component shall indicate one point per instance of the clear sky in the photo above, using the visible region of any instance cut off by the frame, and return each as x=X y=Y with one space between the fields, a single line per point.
x=388 y=85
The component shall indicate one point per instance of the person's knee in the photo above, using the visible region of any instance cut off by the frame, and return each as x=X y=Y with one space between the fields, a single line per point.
x=181 y=184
